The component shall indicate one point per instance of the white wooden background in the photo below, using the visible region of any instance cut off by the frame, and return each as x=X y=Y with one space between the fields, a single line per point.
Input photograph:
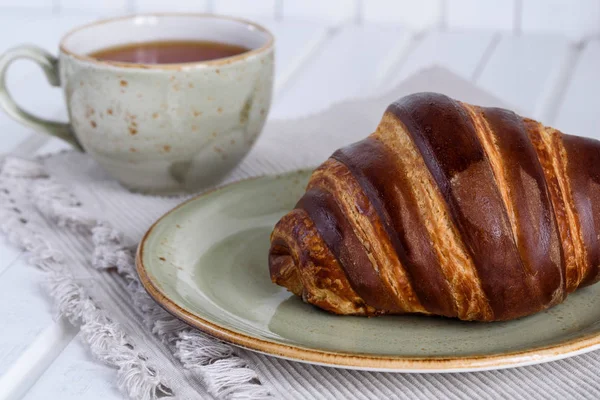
x=541 y=56
x=575 y=18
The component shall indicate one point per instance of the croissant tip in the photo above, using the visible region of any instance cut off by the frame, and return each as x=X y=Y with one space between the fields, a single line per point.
x=284 y=271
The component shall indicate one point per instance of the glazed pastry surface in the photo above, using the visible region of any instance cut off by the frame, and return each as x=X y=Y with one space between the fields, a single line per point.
x=446 y=209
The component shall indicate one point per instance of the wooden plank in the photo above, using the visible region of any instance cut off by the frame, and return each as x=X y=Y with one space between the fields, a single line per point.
x=496 y=15
x=460 y=52
x=171 y=6
x=577 y=19
x=295 y=42
x=25 y=313
x=33 y=5
x=351 y=63
x=26 y=370
x=332 y=11
x=75 y=375
x=416 y=15
x=246 y=9
x=579 y=111
x=522 y=71
x=8 y=256
x=40 y=29
x=105 y=7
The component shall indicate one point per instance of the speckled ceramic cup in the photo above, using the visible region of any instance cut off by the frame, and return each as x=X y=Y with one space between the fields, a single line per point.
x=162 y=128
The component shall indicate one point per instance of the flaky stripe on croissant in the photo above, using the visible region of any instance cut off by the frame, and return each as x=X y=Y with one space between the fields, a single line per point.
x=447 y=209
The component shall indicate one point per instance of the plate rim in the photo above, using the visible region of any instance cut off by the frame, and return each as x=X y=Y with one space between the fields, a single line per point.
x=341 y=359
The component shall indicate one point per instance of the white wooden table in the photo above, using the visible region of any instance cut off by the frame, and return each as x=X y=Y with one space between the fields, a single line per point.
x=542 y=76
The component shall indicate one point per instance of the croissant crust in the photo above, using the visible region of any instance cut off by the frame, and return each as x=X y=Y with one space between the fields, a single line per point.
x=446 y=209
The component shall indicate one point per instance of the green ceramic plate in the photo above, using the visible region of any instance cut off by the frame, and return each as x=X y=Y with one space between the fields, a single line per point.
x=206 y=263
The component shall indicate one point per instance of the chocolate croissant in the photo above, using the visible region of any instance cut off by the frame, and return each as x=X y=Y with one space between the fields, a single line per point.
x=446 y=209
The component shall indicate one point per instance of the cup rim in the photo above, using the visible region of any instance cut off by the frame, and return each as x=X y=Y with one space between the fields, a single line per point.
x=175 y=66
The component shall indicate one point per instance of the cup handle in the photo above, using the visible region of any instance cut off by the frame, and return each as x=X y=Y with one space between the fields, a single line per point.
x=49 y=64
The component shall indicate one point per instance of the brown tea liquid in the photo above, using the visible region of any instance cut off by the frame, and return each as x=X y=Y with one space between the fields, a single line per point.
x=168 y=52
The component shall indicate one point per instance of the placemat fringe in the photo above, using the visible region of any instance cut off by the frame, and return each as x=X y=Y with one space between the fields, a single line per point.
x=226 y=375
x=136 y=377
